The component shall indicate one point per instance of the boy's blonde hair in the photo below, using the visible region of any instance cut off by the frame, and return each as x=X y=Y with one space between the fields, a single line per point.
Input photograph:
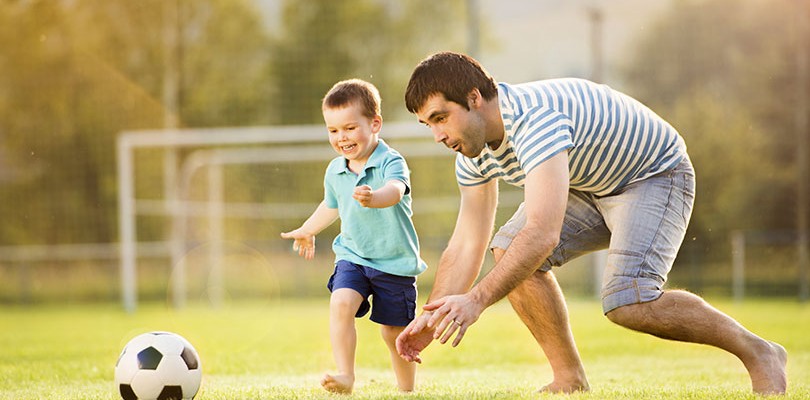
x=356 y=91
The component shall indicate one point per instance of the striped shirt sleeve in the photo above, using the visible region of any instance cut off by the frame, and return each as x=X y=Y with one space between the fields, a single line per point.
x=540 y=134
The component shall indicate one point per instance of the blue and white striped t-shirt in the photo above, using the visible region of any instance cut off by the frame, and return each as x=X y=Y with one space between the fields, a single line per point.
x=612 y=139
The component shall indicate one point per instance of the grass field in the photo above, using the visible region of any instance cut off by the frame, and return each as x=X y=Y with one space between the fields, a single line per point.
x=280 y=349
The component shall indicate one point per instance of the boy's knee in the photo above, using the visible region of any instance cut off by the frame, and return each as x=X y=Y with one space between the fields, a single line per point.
x=390 y=333
x=345 y=301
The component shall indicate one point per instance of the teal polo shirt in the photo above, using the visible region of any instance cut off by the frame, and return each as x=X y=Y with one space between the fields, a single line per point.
x=380 y=238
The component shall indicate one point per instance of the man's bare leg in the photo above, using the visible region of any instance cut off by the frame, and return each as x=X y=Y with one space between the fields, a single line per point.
x=540 y=304
x=683 y=316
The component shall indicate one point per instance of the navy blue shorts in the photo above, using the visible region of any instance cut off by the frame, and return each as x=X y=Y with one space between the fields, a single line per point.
x=393 y=296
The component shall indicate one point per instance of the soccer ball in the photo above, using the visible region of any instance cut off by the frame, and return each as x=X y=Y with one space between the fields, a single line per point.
x=158 y=365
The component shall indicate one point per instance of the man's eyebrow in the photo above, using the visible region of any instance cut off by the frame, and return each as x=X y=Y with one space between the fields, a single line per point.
x=433 y=115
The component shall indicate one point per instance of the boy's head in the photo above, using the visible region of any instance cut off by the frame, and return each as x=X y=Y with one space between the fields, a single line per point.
x=452 y=75
x=354 y=92
x=351 y=110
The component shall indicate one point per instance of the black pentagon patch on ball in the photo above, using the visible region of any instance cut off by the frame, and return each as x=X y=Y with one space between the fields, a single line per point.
x=149 y=358
x=188 y=357
x=171 y=393
x=126 y=392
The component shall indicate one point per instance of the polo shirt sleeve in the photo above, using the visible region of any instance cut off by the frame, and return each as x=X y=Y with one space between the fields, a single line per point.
x=329 y=195
x=397 y=169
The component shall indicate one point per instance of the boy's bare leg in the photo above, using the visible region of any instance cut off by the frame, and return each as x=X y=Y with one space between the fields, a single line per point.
x=404 y=370
x=683 y=316
x=540 y=304
x=342 y=307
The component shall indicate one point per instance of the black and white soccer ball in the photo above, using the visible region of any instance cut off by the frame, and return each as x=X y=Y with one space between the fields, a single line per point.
x=158 y=365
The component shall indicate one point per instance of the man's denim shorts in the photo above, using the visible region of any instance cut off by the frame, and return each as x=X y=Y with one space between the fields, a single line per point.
x=393 y=296
x=642 y=226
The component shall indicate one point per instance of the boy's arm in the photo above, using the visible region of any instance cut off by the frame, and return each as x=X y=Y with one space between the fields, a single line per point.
x=388 y=195
x=304 y=236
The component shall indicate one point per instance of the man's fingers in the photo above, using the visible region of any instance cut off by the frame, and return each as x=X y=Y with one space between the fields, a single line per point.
x=433 y=305
x=461 y=331
x=448 y=333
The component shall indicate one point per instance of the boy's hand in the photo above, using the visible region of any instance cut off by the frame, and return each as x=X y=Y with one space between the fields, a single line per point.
x=364 y=195
x=304 y=242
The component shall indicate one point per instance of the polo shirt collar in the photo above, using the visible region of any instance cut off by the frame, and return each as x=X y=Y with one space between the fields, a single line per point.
x=374 y=161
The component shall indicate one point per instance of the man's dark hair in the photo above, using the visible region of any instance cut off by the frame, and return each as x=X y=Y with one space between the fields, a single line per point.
x=453 y=75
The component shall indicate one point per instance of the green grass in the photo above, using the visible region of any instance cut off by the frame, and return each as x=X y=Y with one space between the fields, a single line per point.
x=280 y=349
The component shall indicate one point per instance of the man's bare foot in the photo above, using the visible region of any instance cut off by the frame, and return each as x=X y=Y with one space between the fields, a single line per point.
x=341 y=384
x=768 y=375
x=555 y=387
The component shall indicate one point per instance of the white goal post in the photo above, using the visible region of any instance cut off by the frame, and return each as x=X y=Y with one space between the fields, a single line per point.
x=217 y=147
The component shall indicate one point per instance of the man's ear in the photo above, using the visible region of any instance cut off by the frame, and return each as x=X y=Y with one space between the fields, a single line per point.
x=474 y=98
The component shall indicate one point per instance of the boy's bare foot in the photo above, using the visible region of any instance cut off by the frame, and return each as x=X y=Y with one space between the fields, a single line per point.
x=572 y=387
x=768 y=375
x=342 y=384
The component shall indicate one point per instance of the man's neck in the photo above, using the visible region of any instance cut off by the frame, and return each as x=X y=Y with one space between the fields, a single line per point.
x=495 y=131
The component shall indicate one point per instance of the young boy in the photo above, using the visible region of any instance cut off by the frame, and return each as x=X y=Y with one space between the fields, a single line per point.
x=377 y=251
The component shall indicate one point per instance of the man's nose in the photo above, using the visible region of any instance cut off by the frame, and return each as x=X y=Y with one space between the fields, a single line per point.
x=438 y=135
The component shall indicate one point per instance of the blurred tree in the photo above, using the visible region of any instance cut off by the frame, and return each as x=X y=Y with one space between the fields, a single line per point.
x=719 y=72
x=323 y=41
x=75 y=73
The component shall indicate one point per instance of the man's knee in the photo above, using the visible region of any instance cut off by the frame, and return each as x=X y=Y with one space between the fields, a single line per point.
x=619 y=315
x=632 y=316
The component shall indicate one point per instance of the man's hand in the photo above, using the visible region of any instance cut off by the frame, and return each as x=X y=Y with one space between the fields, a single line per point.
x=453 y=314
x=304 y=242
x=364 y=195
x=414 y=338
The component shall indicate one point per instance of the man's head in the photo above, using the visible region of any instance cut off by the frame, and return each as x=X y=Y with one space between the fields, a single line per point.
x=453 y=95
x=452 y=75
x=351 y=110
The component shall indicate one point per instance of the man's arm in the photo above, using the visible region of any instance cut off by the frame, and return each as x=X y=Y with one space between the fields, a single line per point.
x=460 y=263
x=546 y=195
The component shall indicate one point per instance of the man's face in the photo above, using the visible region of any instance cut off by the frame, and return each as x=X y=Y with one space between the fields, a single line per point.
x=453 y=125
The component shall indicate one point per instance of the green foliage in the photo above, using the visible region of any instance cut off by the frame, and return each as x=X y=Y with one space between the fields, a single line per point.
x=73 y=74
x=722 y=72
x=325 y=41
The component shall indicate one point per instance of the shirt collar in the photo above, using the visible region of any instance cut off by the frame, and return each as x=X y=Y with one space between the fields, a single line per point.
x=374 y=160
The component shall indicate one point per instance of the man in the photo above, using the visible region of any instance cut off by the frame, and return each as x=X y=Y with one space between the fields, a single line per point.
x=599 y=170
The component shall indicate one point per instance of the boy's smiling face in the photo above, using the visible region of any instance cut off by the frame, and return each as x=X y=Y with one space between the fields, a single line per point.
x=352 y=134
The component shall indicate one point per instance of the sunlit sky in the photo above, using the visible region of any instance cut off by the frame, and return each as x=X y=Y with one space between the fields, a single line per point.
x=555 y=35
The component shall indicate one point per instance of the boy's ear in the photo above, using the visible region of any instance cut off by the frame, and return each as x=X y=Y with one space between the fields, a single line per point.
x=376 y=124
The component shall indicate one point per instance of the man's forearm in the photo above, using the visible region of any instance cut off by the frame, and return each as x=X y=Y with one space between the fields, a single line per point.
x=457 y=271
x=521 y=259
